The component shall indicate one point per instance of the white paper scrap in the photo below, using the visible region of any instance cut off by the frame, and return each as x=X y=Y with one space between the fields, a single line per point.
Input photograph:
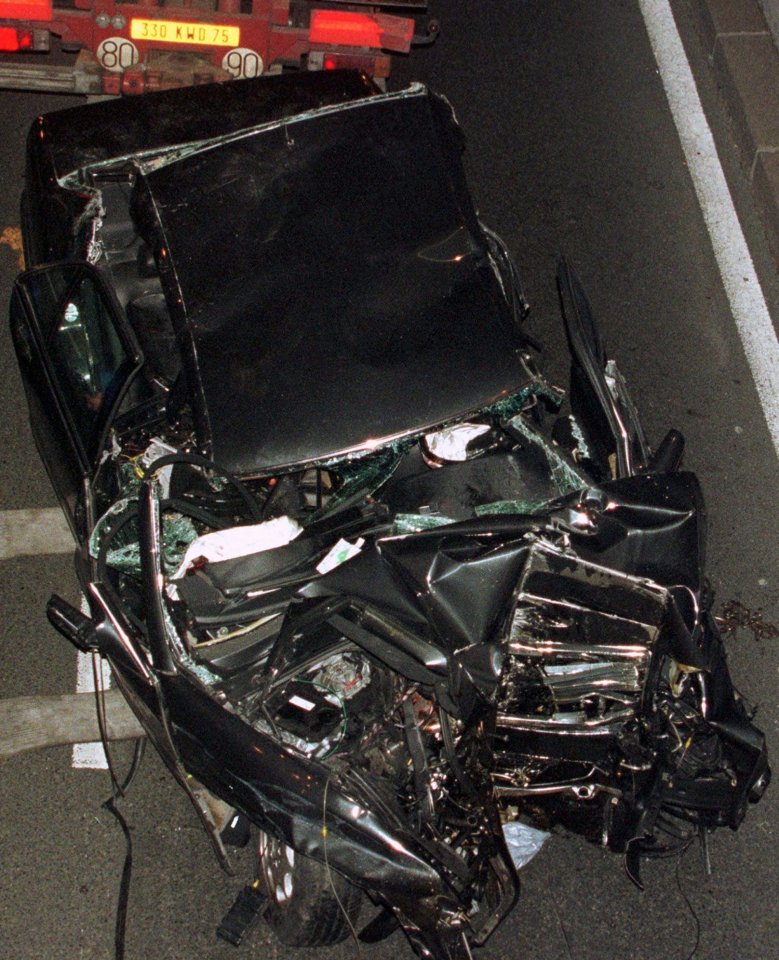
x=301 y=702
x=452 y=443
x=240 y=542
x=340 y=553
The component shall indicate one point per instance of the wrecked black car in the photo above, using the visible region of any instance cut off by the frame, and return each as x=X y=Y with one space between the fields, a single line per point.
x=363 y=578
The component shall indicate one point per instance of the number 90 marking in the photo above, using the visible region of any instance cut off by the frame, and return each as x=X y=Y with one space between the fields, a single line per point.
x=116 y=53
x=242 y=63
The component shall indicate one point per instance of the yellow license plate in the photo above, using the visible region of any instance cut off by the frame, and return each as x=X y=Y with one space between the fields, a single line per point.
x=174 y=31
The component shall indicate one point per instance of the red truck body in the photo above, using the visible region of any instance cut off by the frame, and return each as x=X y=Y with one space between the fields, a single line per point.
x=132 y=47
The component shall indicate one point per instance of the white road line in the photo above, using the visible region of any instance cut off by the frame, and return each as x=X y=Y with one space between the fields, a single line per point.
x=90 y=756
x=737 y=270
x=36 y=532
x=32 y=532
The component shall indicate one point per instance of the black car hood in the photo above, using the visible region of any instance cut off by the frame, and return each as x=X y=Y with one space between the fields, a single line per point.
x=332 y=283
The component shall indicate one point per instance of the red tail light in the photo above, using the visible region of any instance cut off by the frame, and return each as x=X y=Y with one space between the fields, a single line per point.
x=12 y=39
x=373 y=30
x=25 y=10
x=376 y=65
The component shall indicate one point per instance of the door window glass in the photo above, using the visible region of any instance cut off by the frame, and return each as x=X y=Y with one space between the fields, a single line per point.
x=86 y=356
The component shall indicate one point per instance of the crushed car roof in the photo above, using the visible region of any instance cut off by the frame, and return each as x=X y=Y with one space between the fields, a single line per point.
x=332 y=280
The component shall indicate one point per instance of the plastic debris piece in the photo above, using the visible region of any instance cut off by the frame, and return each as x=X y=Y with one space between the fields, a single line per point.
x=452 y=442
x=338 y=554
x=523 y=841
x=237 y=831
x=240 y=542
x=242 y=915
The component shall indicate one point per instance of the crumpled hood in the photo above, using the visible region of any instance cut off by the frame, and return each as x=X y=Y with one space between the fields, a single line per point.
x=340 y=292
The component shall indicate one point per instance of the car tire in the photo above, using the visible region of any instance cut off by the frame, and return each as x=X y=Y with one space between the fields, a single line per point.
x=308 y=904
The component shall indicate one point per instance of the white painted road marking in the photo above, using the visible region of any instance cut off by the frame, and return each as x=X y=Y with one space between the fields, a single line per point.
x=90 y=756
x=33 y=533
x=747 y=302
x=27 y=533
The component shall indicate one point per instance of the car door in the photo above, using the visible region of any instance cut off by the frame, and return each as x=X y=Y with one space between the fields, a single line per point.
x=77 y=356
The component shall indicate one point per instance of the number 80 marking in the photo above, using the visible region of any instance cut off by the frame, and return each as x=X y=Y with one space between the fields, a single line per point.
x=116 y=53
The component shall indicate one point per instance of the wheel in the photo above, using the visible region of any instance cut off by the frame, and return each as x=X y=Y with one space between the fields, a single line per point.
x=309 y=905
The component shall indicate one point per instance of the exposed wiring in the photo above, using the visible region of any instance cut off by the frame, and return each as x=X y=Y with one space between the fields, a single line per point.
x=102 y=718
x=240 y=632
x=118 y=790
x=137 y=465
x=330 y=874
x=255 y=509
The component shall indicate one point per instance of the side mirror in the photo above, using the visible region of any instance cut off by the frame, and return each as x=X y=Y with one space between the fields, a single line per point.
x=105 y=635
x=599 y=396
x=81 y=630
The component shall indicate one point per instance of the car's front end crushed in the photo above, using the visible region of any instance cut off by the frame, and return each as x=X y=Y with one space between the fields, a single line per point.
x=359 y=572
x=380 y=684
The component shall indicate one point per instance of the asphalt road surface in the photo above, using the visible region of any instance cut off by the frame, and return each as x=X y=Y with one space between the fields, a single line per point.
x=571 y=147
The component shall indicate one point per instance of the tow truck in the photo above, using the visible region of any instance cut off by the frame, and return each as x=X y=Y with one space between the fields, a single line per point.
x=114 y=47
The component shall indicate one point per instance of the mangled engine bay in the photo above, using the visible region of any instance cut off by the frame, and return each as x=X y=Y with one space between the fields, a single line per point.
x=447 y=659
x=356 y=569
